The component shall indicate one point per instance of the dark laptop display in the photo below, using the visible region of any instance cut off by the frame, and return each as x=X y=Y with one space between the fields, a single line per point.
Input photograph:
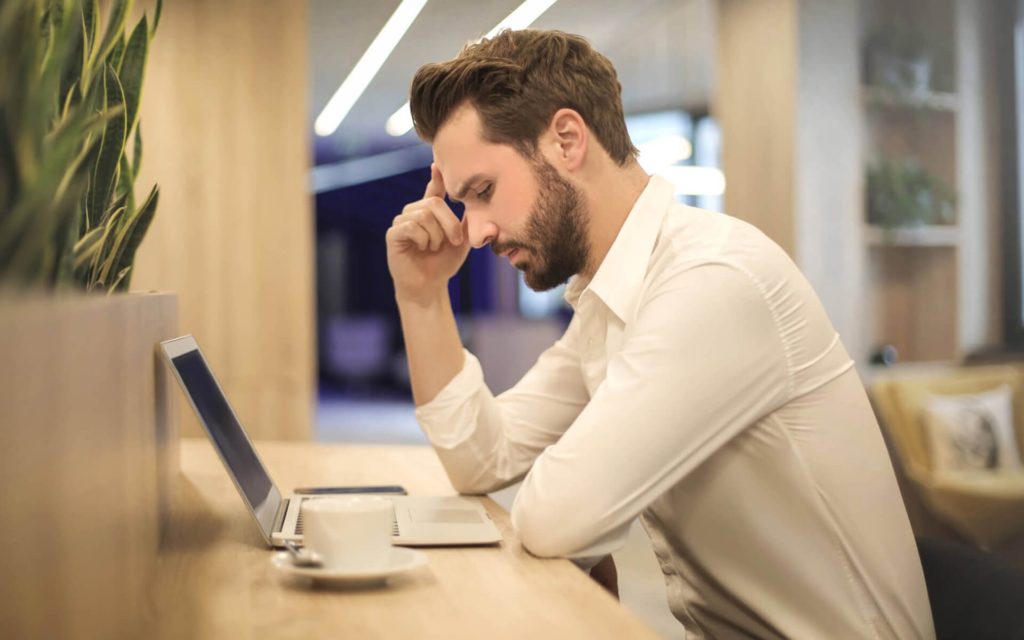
x=231 y=441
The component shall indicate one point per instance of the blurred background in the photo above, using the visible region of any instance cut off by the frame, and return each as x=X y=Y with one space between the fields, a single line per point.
x=876 y=141
x=366 y=170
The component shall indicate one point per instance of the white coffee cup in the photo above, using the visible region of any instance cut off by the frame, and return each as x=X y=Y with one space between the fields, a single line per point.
x=351 y=533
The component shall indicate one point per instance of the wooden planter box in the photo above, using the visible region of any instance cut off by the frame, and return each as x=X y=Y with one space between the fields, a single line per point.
x=88 y=459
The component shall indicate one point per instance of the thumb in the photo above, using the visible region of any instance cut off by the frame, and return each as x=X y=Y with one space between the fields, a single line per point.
x=435 y=188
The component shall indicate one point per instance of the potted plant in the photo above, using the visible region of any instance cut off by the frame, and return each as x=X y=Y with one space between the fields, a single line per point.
x=901 y=193
x=899 y=58
x=70 y=102
x=88 y=445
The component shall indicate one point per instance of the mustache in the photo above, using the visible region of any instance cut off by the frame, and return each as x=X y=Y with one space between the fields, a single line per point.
x=504 y=247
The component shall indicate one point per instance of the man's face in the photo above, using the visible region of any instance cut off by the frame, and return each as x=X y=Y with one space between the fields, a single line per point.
x=522 y=207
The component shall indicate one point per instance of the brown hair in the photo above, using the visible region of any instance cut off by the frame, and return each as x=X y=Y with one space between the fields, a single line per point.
x=517 y=80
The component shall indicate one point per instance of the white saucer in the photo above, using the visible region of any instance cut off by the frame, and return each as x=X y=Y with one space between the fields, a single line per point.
x=400 y=561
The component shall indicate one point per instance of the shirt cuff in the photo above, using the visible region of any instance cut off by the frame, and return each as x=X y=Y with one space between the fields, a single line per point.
x=450 y=418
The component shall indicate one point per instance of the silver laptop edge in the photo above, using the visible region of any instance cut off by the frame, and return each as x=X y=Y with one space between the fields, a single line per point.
x=266 y=512
x=277 y=514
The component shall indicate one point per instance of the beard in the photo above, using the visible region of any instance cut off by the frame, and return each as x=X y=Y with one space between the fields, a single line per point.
x=556 y=232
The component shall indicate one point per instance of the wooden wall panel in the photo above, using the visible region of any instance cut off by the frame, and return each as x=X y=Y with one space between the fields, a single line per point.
x=755 y=103
x=917 y=300
x=87 y=455
x=224 y=119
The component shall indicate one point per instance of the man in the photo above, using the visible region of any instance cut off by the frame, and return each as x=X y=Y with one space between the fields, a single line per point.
x=699 y=384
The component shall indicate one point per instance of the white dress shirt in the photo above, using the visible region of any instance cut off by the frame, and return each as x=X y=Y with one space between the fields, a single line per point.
x=701 y=386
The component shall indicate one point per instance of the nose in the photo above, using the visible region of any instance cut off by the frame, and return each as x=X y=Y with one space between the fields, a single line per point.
x=481 y=230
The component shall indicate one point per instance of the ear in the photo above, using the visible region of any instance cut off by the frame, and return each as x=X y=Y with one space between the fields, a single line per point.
x=569 y=136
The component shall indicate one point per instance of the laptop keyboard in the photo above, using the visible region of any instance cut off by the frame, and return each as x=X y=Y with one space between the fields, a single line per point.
x=298 y=522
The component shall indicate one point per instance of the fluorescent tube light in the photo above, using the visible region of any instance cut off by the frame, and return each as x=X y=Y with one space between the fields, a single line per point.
x=400 y=122
x=341 y=102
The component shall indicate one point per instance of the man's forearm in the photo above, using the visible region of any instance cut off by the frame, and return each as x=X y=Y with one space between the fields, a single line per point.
x=432 y=344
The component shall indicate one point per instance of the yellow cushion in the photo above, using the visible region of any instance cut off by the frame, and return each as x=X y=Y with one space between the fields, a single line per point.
x=986 y=507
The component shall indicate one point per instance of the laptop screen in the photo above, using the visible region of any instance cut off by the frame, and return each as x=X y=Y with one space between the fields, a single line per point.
x=228 y=436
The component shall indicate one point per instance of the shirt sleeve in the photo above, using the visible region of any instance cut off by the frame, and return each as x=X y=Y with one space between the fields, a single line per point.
x=703 y=361
x=487 y=442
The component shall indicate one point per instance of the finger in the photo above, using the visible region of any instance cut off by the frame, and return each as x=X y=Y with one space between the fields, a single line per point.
x=434 y=231
x=410 y=233
x=435 y=188
x=446 y=218
x=425 y=217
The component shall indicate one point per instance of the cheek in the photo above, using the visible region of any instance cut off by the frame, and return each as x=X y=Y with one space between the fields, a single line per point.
x=520 y=208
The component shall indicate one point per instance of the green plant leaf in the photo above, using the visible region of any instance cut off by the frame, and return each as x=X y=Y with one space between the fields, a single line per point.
x=52 y=194
x=90 y=17
x=115 y=30
x=119 y=202
x=132 y=68
x=50 y=24
x=125 y=183
x=67 y=214
x=156 y=16
x=136 y=232
x=86 y=248
x=111 y=147
x=64 y=276
x=116 y=54
x=90 y=27
x=69 y=95
x=121 y=282
x=103 y=260
x=137 y=153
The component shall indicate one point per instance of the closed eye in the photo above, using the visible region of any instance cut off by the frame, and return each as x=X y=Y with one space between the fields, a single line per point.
x=486 y=193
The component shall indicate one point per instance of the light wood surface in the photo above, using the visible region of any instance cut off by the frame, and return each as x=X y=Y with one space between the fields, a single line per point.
x=86 y=448
x=916 y=297
x=225 y=132
x=216 y=581
x=755 y=102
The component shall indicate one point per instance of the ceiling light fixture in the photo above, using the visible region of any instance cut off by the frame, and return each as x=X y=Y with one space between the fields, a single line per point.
x=341 y=102
x=400 y=122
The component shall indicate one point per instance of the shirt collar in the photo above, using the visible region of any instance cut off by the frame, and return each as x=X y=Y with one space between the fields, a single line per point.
x=618 y=278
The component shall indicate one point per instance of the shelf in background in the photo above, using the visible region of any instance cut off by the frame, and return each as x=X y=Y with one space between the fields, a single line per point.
x=925 y=236
x=894 y=98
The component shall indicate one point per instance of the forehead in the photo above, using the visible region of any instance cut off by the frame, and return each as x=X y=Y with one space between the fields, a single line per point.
x=460 y=151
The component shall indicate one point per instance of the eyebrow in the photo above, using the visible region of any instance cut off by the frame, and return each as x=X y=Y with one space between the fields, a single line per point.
x=461 y=193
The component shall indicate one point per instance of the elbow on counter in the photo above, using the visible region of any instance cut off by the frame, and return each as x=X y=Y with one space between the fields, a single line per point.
x=478 y=485
x=548 y=530
x=469 y=475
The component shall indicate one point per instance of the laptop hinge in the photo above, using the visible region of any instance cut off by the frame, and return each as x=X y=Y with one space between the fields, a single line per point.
x=282 y=509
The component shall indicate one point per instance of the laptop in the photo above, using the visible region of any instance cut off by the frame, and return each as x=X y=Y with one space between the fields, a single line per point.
x=419 y=521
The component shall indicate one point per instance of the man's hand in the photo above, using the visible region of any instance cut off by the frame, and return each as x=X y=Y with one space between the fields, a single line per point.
x=426 y=244
x=605 y=574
